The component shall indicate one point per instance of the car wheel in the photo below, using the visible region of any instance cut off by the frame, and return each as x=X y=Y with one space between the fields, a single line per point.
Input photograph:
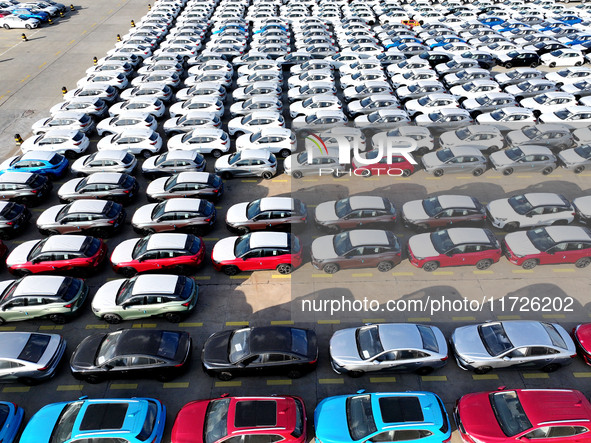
x=548 y=170
x=284 y=153
x=508 y=171
x=230 y=270
x=483 y=370
x=438 y=172
x=27 y=381
x=366 y=173
x=430 y=266
x=127 y=272
x=508 y=65
x=216 y=153
x=477 y=172
x=551 y=367
x=484 y=264
x=579 y=169
x=406 y=172
x=2 y=321
x=511 y=227
x=92 y=379
x=146 y=232
x=583 y=262
x=493 y=149
x=355 y=374
x=173 y=317
x=22 y=272
x=294 y=373
x=146 y=154
x=112 y=319
x=552 y=64
x=284 y=268
x=297 y=174
x=267 y=175
x=578 y=63
x=28 y=26
x=6 y=26
x=425 y=370
x=225 y=375
x=529 y=263
x=331 y=268
x=338 y=174
x=226 y=175
x=385 y=266
x=58 y=319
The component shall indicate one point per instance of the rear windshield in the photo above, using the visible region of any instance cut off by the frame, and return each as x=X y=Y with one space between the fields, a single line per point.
x=92 y=246
x=35 y=348
x=428 y=337
x=69 y=288
x=555 y=336
x=9 y=211
x=112 y=210
x=4 y=411
x=169 y=344
x=56 y=159
x=184 y=287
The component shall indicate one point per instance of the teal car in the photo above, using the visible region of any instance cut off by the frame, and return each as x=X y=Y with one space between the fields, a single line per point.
x=117 y=420
x=382 y=417
x=28 y=13
x=47 y=163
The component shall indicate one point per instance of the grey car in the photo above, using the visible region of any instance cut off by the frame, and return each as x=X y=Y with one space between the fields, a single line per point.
x=29 y=357
x=177 y=214
x=41 y=296
x=512 y=344
x=401 y=347
x=100 y=218
x=553 y=136
x=248 y=163
x=576 y=159
x=491 y=101
x=173 y=162
x=186 y=184
x=105 y=161
x=466 y=159
x=24 y=187
x=524 y=158
x=530 y=88
x=445 y=119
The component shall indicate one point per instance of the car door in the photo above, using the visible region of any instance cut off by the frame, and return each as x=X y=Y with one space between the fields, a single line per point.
x=560 y=253
x=10 y=370
x=455 y=164
x=280 y=220
x=242 y=168
x=530 y=357
x=134 y=308
x=251 y=261
x=455 y=256
x=36 y=307
x=14 y=309
x=354 y=258
x=149 y=261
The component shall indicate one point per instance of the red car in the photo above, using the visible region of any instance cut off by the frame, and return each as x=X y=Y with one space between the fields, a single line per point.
x=57 y=254
x=522 y=415
x=454 y=247
x=397 y=166
x=158 y=252
x=259 y=250
x=229 y=419
x=582 y=339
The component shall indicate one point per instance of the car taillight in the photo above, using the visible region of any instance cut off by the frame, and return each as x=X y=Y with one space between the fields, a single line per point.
x=215 y=191
x=43 y=369
x=447 y=441
x=573 y=213
x=444 y=358
x=186 y=304
x=153 y=143
x=77 y=143
x=207 y=219
x=126 y=191
x=69 y=305
x=111 y=222
x=34 y=191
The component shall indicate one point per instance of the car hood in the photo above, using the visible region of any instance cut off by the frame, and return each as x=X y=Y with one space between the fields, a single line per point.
x=105 y=298
x=500 y=208
x=448 y=138
x=520 y=243
x=500 y=78
x=287 y=163
x=49 y=215
x=343 y=347
x=325 y=212
x=237 y=213
x=123 y=251
x=149 y=163
x=77 y=165
x=143 y=214
x=323 y=248
x=222 y=162
x=189 y=422
x=570 y=156
x=430 y=160
x=224 y=249
x=467 y=343
x=4 y=284
x=20 y=254
x=69 y=187
x=215 y=349
x=414 y=210
x=516 y=138
x=37 y=430
x=421 y=246
x=330 y=420
x=6 y=163
x=157 y=186
x=84 y=355
x=500 y=159
x=479 y=419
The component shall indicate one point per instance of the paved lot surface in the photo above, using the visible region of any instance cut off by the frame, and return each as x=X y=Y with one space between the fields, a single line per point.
x=32 y=75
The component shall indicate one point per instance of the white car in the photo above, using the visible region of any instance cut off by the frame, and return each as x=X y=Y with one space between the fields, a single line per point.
x=189 y=121
x=103 y=91
x=563 y=57
x=475 y=88
x=279 y=141
x=573 y=117
x=128 y=120
x=410 y=77
x=144 y=142
x=549 y=102
x=115 y=79
x=360 y=78
x=154 y=89
x=256 y=103
x=430 y=103
x=259 y=76
x=261 y=65
x=171 y=79
x=69 y=143
x=367 y=89
x=310 y=89
x=202 y=90
x=319 y=75
x=421 y=135
x=314 y=103
x=18 y=22
x=569 y=75
x=257 y=88
x=211 y=66
x=255 y=121
x=206 y=104
x=382 y=119
x=212 y=141
x=507 y=119
x=92 y=106
x=320 y=120
x=65 y=120
x=105 y=161
x=530 y=210
x=150 y=105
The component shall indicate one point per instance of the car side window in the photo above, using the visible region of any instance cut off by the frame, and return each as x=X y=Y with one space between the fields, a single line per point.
x=555 y=432
x=354 y=214
x=280 y=214
x=252 y=254
x=575 y=246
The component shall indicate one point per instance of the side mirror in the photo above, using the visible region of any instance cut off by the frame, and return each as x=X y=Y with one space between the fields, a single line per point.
x=506 y=358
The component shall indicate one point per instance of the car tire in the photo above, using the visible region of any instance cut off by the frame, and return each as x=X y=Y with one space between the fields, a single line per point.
x=225 y=376
x=355 y=374
x=438 y=172
x=331 y=268
x=294 y=373
x=477 y=172
x=216 y=153
x=385 y=266
x=508 y=171
x=548 y=170
x=551 y=367
x=284 y=153
x=70 y=155
x=425 y=370
x=511 y=227
x=579 y=169
x=431 y=266
x=146 y=154
x=92 y=379
x=338 y=174
x=58 y=319
x=297 y=174
x=422 y=151
x=101 y=232
x=534 y=65
x=560 y=223
x=267 y=175
x=508 y=65
x=530 y=263
x=226 y=175
x=230 y=270
x=583 y=262
x=28 y=26
x=127 y=272
x=6 y=26
x=578 y=63
x=422 y=228
x=173 y=317
x=2 y=321
x=112 y=319
x=483 y=264
x=406 y=172
x=482 y=370
x=552 y=65
x=284 y=268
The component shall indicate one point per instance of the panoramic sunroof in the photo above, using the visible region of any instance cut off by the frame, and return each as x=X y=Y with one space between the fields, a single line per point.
x=400 y=409
x=255 y=413
x=104 y=416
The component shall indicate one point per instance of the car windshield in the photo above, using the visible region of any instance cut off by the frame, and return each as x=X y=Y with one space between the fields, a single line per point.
x=463 y=133
x=216 y=417
x=444 y=155
x=520 y=204
x=64 y=424
x=498 y=115
x=234 y=158
x=239 y=345
x=368 y=342
x=342 y=207
x=107 y=348
x=514 y=153
x=509 y=413
x=302 y=157
x=341 y=243
x=541 y=99
x=563 y=115
x=253 y=209
x=360 y=416
x=441 y=241
x=494 y=338
x=140 y=247
x=432 y=206
x=531 y=132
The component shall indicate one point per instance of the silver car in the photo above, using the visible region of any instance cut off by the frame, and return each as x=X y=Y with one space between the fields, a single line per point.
x=403 y=347
x=523 y=158
x=249 y=163
x=577 y=159
x=173 y=162
x=176 y=214
x=109 y=160
x=29 y=357
x=466 y=159
x=512 y=344
x=553 y=136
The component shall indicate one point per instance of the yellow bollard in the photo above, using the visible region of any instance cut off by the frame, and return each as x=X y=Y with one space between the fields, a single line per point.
x=61 y=14
x=24 y=37
x=18 y=139
x=118 y=38
x=64 y=90
x=149 y=7
x=50 y=21
x=72 y=8
x=132 y=24
x=94 y=60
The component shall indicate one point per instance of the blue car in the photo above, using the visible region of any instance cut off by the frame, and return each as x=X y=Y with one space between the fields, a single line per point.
x=132 y=420
x=264 y=28
x=579 y=39
x=48 y=163
x=569 y=19
x=492 y=21
x=382 y=417
x=11 y=417
x=24 y=12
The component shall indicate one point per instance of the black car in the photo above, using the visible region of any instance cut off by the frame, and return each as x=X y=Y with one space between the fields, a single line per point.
x=484 y=59
x=545 y=47
x=131 y=353
x=521 y=58
x=277 y=350
x=435 y=58
x=13 y=219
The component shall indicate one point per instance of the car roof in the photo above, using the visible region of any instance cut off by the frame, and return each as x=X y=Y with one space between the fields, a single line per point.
x=167 y=241
x=254 y=153
x=465 y=150
x=526 y=333
x=274 y=131
x=190 y=176
x=39 y=285
x=366 y=202
x=535 y=149
x=182 y=204
x=568 y=233
x=554 y=405
x=276 y=203
x=104 y=177
x=544 y=198
x=269 y=239
x=468 y=235
x=92 y=206
x=269 y=338
x=400 y=336
x=362 y=237
x=456 y=201
x=135 y=341
x=38 y=155
x=64 y=243
x=14 y=342
x=15 y=177
x=150 y=284
x=110 y=154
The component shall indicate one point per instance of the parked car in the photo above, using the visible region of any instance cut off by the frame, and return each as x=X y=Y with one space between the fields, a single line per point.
x=14 y=219
x=268 y=213
x=443 y=211
x=524 y=158
x=576 y=159
x=105 y=161
x=465 y=159
x=69 y=143
x=248 y=163
x=114 y=186
x=48 y=163
x=178 y=214
x=353 y=212
x=24 y=187
x=186 y=184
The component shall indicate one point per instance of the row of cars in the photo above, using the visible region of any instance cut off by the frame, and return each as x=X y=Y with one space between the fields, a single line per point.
x=28 y=15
